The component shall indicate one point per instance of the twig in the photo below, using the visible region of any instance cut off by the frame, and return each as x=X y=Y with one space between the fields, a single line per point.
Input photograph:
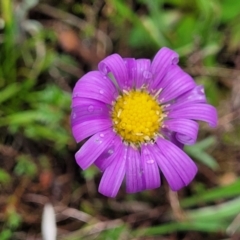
x=216 y=72
x=73 y=213
x=224 y=120
x=93 y=229
x=35 y=198
x=175 y=205
x=234 y=226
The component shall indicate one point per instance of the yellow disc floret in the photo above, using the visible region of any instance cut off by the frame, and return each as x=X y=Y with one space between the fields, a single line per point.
x=137 y=117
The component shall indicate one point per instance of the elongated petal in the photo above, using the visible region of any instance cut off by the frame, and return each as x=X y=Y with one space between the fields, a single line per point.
x=78 y=101
x=89 y=109
x=196 y=95
x=110 y=153
x=134 y=173
x=130 y=64
x=179 y=160
x=113 y=176
x=87 y=129
x=93 y=148
x=171 y=136
x=186 y=130
x=143 y=74
x=138 y=72
x=169 y=171
x=164 y=58
x=178 y=81
x=114 y=64
x=96 y=86
x=150 y=168
x=203 y=112
x=175 y=141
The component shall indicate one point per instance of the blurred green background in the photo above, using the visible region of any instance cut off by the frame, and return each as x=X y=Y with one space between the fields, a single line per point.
x=45 y=47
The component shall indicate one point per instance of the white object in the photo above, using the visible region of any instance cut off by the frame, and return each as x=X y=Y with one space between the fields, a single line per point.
x=49 y=228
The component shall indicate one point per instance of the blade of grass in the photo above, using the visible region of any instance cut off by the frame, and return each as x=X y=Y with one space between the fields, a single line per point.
x=213 y=195
x=9 y=53
x=203 y=226
x=9 y=91
x=219 y=212
x=197 y=151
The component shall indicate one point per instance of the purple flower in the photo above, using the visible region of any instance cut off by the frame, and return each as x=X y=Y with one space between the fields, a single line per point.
x=136 y=116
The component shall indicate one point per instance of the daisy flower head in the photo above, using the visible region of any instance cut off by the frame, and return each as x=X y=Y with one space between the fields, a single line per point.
x=136 y=116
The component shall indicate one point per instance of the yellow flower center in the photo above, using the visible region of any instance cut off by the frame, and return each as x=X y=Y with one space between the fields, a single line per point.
x=137 y=117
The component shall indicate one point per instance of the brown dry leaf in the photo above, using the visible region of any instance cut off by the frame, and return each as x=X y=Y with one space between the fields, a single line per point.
x=69 y=41
x=45 y=179
x=227 y=178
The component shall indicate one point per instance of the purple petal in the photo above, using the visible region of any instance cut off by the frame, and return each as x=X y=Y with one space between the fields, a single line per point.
x=179 y=160
x=87 y=129
x=113 y=176
x=176 y=82
x=186 y=130
x=168 y=170
x=93 y=148
x=150 y=168
x=164 y=58
x=78 y=101
x=203 y=112
x=114 y=64
x=130 y=64
x=175 y=141
x=138 y=71
x=89 y=109
x=143 y=74
x=110 y=153
x=134 y=174
x=94 y=85
x=196 y=95
x=171 y=136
